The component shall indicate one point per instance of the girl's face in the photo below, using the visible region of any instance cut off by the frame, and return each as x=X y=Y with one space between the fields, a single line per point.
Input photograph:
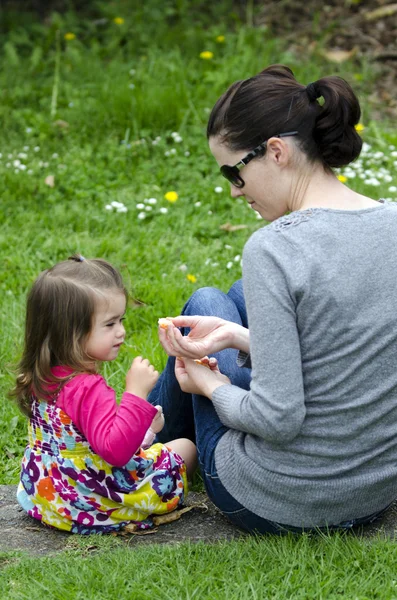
x=107 y=333
x=264 y=187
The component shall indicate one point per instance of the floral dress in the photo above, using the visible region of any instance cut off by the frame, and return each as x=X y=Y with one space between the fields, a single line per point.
x=66 y=485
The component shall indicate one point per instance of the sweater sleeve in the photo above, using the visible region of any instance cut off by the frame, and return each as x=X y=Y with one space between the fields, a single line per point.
x=115 y=432
x=274 y=407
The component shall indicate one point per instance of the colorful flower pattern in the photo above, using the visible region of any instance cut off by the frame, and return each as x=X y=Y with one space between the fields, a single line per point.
x=66 y=485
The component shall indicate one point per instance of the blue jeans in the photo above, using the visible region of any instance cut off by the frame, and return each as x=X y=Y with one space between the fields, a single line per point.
x=194 y=417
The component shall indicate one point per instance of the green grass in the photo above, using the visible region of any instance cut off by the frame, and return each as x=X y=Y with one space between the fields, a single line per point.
x=299 y=568
x=105 y=153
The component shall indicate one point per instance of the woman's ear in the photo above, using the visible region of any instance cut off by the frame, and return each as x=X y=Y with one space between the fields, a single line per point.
x=278 y=150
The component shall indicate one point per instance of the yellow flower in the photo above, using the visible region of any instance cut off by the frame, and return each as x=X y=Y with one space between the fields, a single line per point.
x=191 y=278
x=358 y=76
x=206 y=55
x=69 y=36
x=220 y=39
x=342 y=178
x=171 y=196
x=359 y=127
x=118 y=20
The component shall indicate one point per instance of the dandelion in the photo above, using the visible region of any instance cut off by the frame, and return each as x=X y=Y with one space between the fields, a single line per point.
x=359 y=127
x=141 y=215
x=182 y=268
x=148 y=208
x=187 y=153
x=131 y=86
x=171 y=196
x=152 y=201
x=36 y=148
x=140 y=206
x=197 y=204
x=342 y=178
x=191 y=278
x=108 y=207
x=132 y=72
x=218 y=189
x=163 y=210
x=220 y=39
x=229 y=265
x=206 y=55
x=69 y=36
x=118 y=20
x=392 y=188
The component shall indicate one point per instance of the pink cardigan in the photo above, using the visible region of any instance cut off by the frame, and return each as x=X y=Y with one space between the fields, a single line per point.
x=114 y=431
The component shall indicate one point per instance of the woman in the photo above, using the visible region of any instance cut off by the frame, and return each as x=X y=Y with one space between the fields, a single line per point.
x=308 y=438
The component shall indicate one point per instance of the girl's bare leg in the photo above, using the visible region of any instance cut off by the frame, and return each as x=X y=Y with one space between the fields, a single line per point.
x=186 y=450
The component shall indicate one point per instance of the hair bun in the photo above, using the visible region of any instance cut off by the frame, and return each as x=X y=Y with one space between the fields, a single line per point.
x=334 y=131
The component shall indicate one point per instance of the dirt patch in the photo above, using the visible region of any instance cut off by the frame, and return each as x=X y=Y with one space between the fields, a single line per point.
x=348 y=30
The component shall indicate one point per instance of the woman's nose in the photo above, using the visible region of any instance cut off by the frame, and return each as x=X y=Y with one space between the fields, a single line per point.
x=235 y=192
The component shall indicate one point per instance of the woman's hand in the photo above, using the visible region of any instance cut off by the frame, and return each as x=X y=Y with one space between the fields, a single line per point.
x=141 y=377
x=195 y=378
x=207 y=335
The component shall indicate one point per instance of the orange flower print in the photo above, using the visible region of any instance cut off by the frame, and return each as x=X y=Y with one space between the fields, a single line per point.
x=45 y=489
x=64 y=418
x=172 y=504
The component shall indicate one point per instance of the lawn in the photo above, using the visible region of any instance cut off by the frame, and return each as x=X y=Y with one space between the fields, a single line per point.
x=103 y=115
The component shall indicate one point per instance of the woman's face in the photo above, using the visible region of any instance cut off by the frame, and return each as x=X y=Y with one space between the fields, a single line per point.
x=264 y=188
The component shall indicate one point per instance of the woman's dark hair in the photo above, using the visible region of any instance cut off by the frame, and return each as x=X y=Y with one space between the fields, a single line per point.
x=59 y=317
x=273 y=102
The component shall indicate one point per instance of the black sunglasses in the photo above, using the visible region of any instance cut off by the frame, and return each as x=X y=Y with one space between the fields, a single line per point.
x=232 y=174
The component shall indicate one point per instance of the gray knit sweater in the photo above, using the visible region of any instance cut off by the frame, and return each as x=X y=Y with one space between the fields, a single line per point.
x=314 y=441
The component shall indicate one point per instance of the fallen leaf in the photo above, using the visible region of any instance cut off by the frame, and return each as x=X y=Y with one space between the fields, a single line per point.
x=382 y=11
x=50 y=180
x=131 y=528
x=339 y=56
x=167 y=518
x=230 y=227
x=33 y=528
x=145 y=531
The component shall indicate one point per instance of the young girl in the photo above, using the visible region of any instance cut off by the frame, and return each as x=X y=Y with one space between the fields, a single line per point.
x=84 y=469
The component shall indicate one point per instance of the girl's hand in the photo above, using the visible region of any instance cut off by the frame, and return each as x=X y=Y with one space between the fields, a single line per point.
x=141 y=377
x=207 y=335
x=196 y=378
x=158 y=421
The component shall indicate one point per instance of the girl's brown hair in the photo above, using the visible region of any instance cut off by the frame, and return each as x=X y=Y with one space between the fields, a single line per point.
x=59 y=315
x=273 y=102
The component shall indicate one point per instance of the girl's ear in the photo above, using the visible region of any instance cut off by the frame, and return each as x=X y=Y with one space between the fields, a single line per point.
x=278 y=150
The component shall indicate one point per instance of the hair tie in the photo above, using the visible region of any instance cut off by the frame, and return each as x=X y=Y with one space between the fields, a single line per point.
x=312 y=92
x=77 y=258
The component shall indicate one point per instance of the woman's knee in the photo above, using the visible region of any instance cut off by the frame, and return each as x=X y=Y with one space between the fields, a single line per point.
x=205 y=301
